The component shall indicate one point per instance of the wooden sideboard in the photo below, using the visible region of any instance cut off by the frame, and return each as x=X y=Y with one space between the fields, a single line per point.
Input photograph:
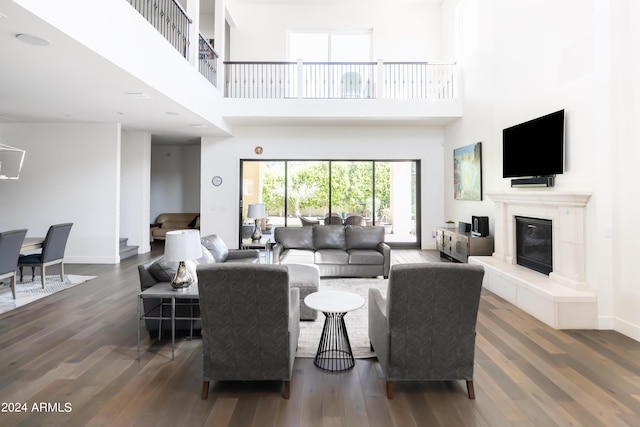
x=460 y=246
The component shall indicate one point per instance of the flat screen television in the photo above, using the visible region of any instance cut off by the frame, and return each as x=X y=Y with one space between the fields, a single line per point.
x=534 y=148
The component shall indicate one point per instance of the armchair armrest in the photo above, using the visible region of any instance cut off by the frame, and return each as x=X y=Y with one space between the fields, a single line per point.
x=379 y=327
x=385 y=250
x=276 y=250
x=243 y=254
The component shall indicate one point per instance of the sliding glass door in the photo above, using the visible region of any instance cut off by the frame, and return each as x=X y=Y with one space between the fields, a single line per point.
x=302 y=192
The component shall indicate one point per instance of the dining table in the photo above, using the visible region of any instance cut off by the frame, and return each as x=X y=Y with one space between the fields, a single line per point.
x=31 y=243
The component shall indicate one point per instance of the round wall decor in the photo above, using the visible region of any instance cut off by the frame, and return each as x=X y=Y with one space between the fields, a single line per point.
x=216 y=180
x=258 y=150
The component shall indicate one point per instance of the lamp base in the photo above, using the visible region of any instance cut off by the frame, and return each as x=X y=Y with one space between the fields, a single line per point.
x=257 y=232
x=182 y=279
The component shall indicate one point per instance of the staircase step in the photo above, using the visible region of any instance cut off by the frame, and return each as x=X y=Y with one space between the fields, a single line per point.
x=123 y=242
x=128 y=252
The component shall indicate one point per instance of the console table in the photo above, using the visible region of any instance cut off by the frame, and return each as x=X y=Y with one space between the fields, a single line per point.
x=460 y=246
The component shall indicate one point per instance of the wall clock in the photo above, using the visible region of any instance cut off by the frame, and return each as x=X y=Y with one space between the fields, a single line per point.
x=216 y=180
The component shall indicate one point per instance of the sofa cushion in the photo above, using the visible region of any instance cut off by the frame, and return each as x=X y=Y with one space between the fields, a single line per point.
x=331 y=256
x=294 y=237
x=216 y=246
x=329 y=237
x=364 y=237
x=365 y=257
x=296 y=256
x=174 y=225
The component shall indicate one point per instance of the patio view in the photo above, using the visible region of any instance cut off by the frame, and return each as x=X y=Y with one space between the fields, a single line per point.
x=297 y=191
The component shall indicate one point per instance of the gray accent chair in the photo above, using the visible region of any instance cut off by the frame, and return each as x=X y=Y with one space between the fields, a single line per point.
x=10 y=243
x=52 y=252
x=425 y=329
x=250 y=323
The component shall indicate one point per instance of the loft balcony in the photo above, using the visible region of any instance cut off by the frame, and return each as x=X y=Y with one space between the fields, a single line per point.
x=336 y=92
x=302 y=92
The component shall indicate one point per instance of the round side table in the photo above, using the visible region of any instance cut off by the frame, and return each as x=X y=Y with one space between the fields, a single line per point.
x=334 y=351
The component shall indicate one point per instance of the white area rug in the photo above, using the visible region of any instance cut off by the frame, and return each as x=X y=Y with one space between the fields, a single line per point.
x=31 y=290
x=357 y=321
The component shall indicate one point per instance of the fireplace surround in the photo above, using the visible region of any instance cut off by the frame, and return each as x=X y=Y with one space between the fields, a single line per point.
x=563 y=299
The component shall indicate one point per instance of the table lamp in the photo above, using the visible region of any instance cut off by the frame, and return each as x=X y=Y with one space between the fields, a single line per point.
x=257 y=212
x=181 y=246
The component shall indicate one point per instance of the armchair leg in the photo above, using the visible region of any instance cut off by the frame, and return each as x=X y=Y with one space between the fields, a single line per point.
x=205 y=390
x=371 y=346
x=389 y=390
x=470 y=390
x=287 y=390
x=42 y=276
x=21 y=272
x=13 y=285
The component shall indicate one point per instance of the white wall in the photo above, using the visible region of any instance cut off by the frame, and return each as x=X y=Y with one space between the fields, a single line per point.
x=135 y=189
x=175 y=179
x=71 y=173
x=530 y=62
x=402 y=30
x=221 y=156
x=626 y=151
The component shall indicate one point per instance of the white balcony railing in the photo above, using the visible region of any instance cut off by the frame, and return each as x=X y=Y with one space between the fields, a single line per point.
x=384 y=80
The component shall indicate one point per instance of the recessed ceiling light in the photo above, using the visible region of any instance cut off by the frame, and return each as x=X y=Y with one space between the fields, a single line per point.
x=3 y=16
x=171 y=113
x=32 y=40
x=197 y=125
x=137 y=95
x=118 y=113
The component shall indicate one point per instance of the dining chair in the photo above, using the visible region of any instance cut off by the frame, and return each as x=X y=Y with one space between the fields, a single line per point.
x=354 y=220
x=52 y=252
x=333 y=219
x=10 y=243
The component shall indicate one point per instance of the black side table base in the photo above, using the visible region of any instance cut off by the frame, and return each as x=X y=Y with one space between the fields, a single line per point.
x=334 y=351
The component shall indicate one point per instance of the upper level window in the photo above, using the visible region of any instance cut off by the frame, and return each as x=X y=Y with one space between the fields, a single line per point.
x=328 y=46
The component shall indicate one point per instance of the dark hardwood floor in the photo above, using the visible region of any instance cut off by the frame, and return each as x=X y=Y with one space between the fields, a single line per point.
x=75 y=352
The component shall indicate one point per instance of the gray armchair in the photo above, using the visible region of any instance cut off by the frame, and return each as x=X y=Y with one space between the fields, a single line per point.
x=426 y=327
x=250 y=323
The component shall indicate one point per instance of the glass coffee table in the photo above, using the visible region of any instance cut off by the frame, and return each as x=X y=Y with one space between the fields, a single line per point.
x=334 y=350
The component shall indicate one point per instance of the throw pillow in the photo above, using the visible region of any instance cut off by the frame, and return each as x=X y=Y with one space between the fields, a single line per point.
x=216 y=246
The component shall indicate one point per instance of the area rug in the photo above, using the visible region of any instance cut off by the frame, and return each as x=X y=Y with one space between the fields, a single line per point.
x=29 y=290
x=356 y=321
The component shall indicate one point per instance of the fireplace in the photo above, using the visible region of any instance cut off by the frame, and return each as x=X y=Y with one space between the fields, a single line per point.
x=534 y=244
x=561 y=297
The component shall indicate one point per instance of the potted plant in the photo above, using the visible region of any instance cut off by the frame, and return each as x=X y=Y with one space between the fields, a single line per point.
x=450 y=224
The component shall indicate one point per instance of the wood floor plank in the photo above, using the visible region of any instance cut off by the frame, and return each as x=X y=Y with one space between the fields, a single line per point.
x=79 y=346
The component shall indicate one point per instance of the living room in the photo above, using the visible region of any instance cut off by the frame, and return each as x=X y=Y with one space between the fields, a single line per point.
x=527 y=60
x=581 y=70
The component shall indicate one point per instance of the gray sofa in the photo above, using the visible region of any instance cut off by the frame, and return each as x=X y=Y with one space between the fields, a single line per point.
x=157 y=270
x=337 y=250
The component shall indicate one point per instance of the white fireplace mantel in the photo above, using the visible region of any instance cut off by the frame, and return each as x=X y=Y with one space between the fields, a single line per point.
x=565 y=209
x=562 y=299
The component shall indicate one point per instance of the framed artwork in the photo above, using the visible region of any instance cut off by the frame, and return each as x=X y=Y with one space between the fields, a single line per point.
x=467 y=172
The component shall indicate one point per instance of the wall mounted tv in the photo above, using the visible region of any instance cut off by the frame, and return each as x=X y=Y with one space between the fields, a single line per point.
x=534 y=149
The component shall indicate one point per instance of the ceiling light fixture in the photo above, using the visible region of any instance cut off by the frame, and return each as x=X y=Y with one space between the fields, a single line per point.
x=197 y=125
x=137 y=95
x=171 y=113
x=32 y=40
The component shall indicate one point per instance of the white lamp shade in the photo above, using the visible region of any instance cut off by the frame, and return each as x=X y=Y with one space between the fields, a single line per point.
x=182 y=245
x=256 y=210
